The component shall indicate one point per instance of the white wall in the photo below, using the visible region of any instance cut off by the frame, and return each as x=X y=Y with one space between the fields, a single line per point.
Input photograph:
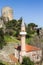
x=16 y=54
x=35 y=55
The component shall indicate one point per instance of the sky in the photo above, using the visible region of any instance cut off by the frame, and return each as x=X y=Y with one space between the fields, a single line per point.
x=30 y=10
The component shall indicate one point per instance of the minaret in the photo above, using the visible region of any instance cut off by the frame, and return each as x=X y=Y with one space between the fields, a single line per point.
x=23 y=35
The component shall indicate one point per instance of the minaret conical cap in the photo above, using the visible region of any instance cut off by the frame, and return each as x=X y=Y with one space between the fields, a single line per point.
x=23 y=24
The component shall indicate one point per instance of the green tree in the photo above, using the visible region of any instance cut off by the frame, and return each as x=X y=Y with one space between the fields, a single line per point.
x=2 y=42
x=27 y=61
x=30 y=28
x=13 y=27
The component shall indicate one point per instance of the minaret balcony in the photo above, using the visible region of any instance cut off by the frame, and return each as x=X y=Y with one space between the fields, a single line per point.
x=23 y=33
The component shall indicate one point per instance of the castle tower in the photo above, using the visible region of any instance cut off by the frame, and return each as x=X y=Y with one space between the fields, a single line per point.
x=7 y=13
x=23 y=35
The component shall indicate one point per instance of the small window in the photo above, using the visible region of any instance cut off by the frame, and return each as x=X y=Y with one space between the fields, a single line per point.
x=37 y=57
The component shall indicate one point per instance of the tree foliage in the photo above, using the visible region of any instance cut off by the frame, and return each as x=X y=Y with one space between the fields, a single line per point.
x=31 y=29
x=13 y=27
x=27 y=61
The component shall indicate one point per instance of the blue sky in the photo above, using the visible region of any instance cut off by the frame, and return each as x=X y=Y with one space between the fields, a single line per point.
x=30 y=10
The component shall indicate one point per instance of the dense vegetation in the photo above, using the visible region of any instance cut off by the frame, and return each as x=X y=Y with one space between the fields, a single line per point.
x=27 y=61
x=12 y=28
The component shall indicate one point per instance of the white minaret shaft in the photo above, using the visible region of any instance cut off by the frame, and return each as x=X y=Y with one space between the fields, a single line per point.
x=23 y=34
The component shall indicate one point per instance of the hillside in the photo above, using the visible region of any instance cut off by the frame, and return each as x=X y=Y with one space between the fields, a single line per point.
x=10 y=39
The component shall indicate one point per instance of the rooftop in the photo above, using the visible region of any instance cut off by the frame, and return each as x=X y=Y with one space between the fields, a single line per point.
x=29 y=48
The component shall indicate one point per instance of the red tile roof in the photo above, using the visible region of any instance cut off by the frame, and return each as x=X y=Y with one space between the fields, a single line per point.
x=29 y=48
x=13 y=58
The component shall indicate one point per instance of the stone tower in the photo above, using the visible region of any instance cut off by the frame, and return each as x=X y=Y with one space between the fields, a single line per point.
x=23 y=35
x=7 y=13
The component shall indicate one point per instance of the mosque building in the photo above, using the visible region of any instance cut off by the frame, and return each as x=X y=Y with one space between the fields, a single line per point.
x=34 y=53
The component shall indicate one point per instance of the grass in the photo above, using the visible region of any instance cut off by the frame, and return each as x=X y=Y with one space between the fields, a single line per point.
x=4 y=63
x=7 y=63
x=10 y=39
